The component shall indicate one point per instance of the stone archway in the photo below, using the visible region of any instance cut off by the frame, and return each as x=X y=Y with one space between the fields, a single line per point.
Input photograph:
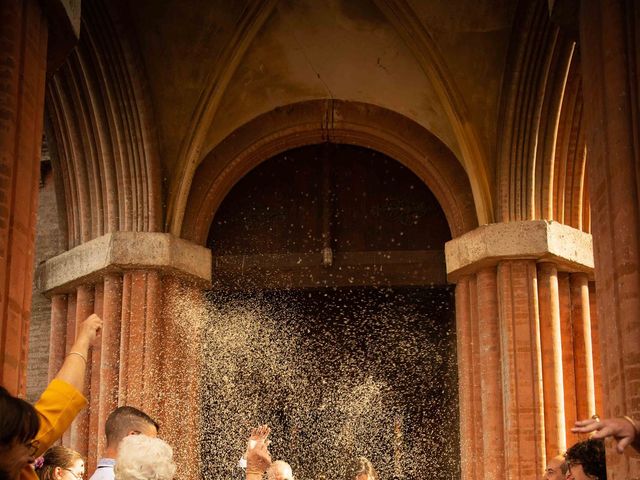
x=335 y=121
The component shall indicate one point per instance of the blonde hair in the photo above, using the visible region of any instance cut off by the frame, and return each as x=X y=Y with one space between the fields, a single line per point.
x=144 y=458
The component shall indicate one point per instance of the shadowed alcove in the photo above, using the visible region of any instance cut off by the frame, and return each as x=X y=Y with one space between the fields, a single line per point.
x=331 y=318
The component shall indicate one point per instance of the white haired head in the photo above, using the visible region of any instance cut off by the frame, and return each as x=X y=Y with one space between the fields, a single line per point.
x=144 y=458
x=280 y=470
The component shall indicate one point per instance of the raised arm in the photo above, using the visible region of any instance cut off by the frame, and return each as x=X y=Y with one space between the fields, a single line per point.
x=75 y=364
x=258 y=456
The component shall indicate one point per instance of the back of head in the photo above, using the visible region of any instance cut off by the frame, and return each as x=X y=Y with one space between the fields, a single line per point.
x=590 y=454
x=280 y=470
x=57 y=456
x=124 y=420
x=19 y=421
x=360 y=466
x=144 y=458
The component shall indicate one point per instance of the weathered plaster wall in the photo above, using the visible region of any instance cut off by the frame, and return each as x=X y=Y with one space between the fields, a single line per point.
x=309 y=50
x=214 y=66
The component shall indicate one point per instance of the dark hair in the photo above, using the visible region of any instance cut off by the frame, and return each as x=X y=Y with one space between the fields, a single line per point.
x=359 y=466
x=590 y=454
x=19 y=421
x=57 y=456
x=122 y=420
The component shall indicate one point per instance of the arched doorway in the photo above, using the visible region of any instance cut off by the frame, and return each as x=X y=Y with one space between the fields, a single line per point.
x=331 y=317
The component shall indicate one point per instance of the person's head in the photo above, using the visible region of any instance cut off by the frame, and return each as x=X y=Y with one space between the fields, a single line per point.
x=586 y=461
x=144 y=458
x=360 y=468
x=556 y=469
x=19 y=424
x=61 y=463
x=280 y=470
x=125 y=421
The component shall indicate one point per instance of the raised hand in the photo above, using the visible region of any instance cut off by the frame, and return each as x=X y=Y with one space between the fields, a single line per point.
x=89 y=329
x=624 y=430
x=257 y=455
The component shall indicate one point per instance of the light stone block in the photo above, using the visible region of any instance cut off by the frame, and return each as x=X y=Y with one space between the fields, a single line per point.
x=541 y=240
x=122 y=251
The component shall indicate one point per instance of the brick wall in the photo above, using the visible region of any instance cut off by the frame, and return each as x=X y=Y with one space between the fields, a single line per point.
x=48 y=244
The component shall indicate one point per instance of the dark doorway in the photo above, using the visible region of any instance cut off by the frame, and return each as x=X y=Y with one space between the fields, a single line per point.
x=331 y=319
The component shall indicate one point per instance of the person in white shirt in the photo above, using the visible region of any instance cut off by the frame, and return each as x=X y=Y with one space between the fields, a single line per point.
x=121 y=423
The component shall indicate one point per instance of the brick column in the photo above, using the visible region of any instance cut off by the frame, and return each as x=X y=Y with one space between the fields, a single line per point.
x=522 y=366
x=490 y=373
x=468 y=378
x=551 y=353
x=583 y=346
x=514 y=312
x=610 y=56
x=23 y=57
x=146 y=287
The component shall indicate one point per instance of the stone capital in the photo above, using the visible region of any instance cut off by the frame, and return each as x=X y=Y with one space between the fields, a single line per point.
x=541 y=240
x=122 y=251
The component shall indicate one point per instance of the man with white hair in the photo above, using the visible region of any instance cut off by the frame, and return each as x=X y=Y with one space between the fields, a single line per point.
x=144 y=458
x=280 y=470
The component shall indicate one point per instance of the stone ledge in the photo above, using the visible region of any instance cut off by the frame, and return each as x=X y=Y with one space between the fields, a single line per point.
x=541 y=240
x=122 y=251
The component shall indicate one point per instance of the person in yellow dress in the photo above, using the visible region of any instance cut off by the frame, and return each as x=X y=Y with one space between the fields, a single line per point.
x=27 y=431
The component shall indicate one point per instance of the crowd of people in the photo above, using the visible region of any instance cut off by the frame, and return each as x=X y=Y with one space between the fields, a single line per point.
x=28 y=434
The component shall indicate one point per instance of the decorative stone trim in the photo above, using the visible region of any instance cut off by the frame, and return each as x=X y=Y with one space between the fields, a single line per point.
x=121 y=251
x=541 y=240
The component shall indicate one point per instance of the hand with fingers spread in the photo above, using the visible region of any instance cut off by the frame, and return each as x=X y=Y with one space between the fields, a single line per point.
x=258 y=456
x=624 y=430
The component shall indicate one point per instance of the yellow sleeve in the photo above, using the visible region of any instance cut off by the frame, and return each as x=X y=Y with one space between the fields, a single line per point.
x=57 y=407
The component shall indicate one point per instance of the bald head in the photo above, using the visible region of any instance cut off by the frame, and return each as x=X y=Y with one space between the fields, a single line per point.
x=280 y=470
x=556 y=468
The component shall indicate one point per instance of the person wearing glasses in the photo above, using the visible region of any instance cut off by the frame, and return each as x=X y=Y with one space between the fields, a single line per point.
x=586 y=461
x=61 y=463
x=27 y=431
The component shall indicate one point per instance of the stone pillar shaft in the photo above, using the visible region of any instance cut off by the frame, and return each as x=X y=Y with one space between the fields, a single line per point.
x=552 y=374
x=522 y=369
x=583 y=346
x=149 y=352
x=80 y=427
x=522 y=382
x=469 y=411
x=490 y=373
x=610 y=50
x=23 y=56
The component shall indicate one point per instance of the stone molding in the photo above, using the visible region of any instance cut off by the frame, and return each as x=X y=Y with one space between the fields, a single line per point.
x=541 y=240
x=121 y=251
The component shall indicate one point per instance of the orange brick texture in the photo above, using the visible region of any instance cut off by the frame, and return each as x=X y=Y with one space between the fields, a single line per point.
x=523 y=367
x=144 y=351
x=610 y=50
x=23 y=52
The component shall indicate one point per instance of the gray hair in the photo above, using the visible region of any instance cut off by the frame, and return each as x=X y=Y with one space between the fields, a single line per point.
x=144 y=458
